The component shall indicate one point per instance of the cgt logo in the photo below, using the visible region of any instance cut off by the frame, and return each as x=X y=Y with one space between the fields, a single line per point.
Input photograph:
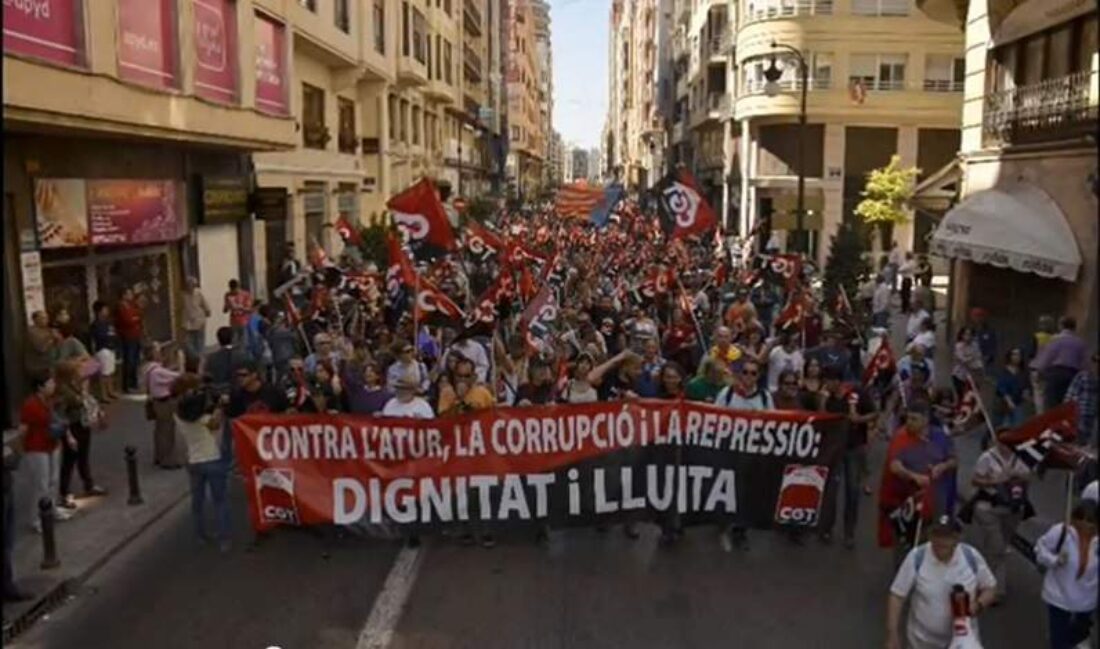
x=415 y=226
x=682 y=203
x=275 y=496
x=800 y=494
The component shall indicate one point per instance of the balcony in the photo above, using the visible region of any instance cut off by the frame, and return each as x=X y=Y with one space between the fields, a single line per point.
x=757 y=86
x=471 y=64
x=716 y=48
x=943 y=85
x=715 y=108
x=772 y=9
x=439 y=92
x=411 y=72
x=1055 y=109
x=471 y=18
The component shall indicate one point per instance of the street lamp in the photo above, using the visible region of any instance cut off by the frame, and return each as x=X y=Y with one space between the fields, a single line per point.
x=772 y=75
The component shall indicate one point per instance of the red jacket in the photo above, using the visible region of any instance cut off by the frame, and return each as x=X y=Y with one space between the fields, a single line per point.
x=128 y=321
x=35 y=415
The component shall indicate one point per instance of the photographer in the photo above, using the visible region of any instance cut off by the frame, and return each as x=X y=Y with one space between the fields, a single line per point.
x=198 y=420
x=999 y=504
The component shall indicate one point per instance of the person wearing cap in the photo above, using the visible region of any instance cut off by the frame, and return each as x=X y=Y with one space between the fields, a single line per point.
x=405 y=402
x=1069 y=554
x=926 y=578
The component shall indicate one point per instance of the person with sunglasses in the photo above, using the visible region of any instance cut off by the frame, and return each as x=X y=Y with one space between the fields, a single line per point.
x=743 y=394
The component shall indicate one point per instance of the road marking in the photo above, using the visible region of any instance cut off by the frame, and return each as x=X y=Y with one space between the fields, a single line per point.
x=378 y=632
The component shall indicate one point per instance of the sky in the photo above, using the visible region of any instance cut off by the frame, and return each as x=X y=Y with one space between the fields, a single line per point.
x=578 y=32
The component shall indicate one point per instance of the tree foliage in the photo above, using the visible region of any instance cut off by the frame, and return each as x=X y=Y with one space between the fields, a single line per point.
x=373 y=247
x=887 y=191
x=845 y=266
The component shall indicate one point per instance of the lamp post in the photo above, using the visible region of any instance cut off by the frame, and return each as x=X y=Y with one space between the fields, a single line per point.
x=773 y=74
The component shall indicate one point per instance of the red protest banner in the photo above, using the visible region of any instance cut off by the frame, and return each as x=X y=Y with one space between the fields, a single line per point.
x=558 y=465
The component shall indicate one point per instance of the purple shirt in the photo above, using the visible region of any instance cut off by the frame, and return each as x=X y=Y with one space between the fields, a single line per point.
x=1064 y=350
x=159 y=380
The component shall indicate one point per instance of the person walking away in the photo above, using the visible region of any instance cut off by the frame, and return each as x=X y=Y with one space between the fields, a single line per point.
x=1082 y=391
x=907 y=270
x=196 y=311
x=924 y=271
x=1044 y=331
x=42 y=437
x=894 y=258
x=129 y=324
x=857 y=409
x=40 y=354
x=1012 y=391
x=199 y=423
x=104 y=341
x=967 y=361
x=1000 y=479
x=743 y=394
x=1069 y=554
x=82 y=413
x=1060 y=361
x=926 y=578
x=158 y=380
x=880 y=303
x=238 y=304
x=984 y=334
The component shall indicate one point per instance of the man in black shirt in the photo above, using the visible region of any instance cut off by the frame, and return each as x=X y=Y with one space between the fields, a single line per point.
x=221 y=365
x=853 y=403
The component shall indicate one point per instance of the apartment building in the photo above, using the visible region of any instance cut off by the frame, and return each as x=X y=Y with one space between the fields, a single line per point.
x=527 y=134
x=101 y=196
x=1023 y=235
x=883 y=79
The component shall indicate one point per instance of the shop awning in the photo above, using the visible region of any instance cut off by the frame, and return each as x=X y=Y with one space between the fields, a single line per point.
x=1018 y=227
x=936 y=192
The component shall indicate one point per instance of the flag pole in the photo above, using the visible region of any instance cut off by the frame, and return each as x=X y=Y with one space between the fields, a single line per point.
x=981 y=404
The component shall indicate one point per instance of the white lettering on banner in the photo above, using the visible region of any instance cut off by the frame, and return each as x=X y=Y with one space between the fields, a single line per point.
x=37 y=9
x=525 y=497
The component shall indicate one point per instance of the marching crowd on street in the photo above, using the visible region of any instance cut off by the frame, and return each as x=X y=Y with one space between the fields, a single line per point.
x=637 y=314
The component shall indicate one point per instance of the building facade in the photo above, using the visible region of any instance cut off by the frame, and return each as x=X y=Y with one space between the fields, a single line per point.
x=527 y=132
x=1023 y=234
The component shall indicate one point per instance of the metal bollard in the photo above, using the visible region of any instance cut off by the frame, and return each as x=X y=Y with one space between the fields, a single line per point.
x=132 y=475
x=49 y=542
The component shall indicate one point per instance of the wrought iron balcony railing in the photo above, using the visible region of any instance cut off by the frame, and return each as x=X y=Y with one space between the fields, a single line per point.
x=1054 y=109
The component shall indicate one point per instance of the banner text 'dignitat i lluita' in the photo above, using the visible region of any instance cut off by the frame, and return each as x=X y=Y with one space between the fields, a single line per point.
x=564 y=465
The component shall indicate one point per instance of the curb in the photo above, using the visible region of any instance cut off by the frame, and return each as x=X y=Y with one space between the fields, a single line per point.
x=56 y=596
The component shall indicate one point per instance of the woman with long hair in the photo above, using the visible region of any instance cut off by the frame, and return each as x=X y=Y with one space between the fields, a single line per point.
x=578 y=389
x=75 y=404
x=1013 y=390
x=811 y=380
x=967 y=360
x=671 y=384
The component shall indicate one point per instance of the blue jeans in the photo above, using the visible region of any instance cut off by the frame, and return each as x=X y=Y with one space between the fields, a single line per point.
x=214 y=475
x=1067 y=629
x=195 y=343
x=131 y=359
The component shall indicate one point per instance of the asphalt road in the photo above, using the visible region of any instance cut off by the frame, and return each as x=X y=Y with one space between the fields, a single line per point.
x=583 y=589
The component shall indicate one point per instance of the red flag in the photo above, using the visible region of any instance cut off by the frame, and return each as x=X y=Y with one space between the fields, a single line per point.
x=293 y=316
x=882 y=363
x=527 y=288
x=794 y=312
x=789 y=267
x=433 y=307
x=1046 y=439
x=418 y=212
x=967 y=404
x=481 y=320
x=349 y=234
x=482 y=242
x=318 y=258
x=538 y=317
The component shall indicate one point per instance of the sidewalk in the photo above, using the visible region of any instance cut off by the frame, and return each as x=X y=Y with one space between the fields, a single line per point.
x=103 y=525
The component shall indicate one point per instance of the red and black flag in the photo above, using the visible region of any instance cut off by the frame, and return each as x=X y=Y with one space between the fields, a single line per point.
x=796 y=309
x=434 y=308
x=967 y=404
x=482 y=319
x=1046 y=439
x=400 y=280
x=882 y=365
x=348 y=232
x=787 y=269
x=419 y=214
x=538 y=319
x=682 y=209
x=481 y=242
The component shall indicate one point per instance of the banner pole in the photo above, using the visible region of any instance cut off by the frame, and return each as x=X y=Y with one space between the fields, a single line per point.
x=981 y=404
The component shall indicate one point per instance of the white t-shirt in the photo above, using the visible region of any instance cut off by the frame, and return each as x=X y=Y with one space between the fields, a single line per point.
x=1091 y=492
x=912 y=327
x=415 y=409
x=929 y=623
x=201 y=442
x=880 y=299
x=991 y=465
x=779 y=360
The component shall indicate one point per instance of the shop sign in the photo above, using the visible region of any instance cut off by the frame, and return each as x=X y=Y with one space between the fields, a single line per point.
x=34 y=294
x=44 y=29
x=215 y=28
x=271 y=95
x=222 y=200
x=124 y=212
x=61 y=212
x=269 y=203
x=147 y=42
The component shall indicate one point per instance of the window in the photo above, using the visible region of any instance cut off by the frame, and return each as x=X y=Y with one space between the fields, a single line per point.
x=343 y=16
x=428 y=57
x=416 y=125
x=348 y=142
x=420 y=29
x=309 y=4
x=447 y=7
x=944 y=73
x=878 y=71
x=405 y=27
x=439 y=57
x=379 y=17
x=821 y=70
x=404 y=123
x=314 y=133
x=394 y=118
x=448 y=63
x=880 y=7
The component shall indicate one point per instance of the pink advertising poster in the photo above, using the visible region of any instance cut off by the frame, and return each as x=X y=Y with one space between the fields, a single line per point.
x=147 y=42
x=271 y=95
x=215 y=49
x=44 y=29
x=122 y=212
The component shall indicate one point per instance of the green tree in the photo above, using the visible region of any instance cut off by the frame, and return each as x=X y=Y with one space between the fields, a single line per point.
x=885 y=197
x=373 y=247
x=845 y=266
